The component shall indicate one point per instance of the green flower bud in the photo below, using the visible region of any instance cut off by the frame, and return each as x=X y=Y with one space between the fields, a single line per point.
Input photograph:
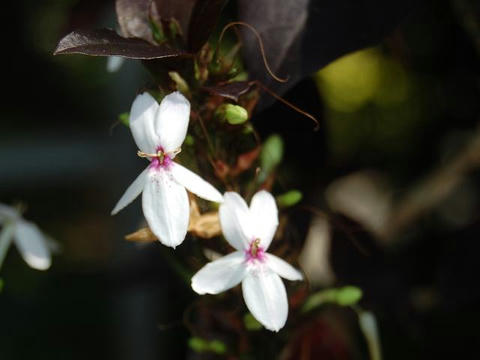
x=124 y=118
x=234 y=114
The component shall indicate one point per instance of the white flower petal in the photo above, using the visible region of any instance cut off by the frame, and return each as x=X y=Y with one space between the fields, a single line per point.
x=235 y=220
x=264 y=215
x=6 y=236
x=135 y=188
x=194 y=183
x=220 y=275
x=266 y=298
x=8 y=213
x=32 y=245
x=142 y=122
x=171 y=123
x=166 y=208
x=282 y=268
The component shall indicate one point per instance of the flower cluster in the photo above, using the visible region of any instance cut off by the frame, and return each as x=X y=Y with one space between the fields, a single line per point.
x=159 y=131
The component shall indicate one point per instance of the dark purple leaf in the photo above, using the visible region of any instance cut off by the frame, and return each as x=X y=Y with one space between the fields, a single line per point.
x=133 y=18
x=180 y=10
x=302 y=36
x=203 y=21
x=108 y=43
x=230 y=90
x=281 y=29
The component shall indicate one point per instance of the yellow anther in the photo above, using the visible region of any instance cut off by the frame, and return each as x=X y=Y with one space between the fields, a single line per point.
x=161 y=156
x=254 y=247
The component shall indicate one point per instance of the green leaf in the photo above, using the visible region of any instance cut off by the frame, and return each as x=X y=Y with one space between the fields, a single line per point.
x=1 y=285
x=217 y=347
x=198 y=344
x=344 y=296
x=349 y=295
x=290 y=198
x=251 y=323
x=271 y=155
x=124 y=118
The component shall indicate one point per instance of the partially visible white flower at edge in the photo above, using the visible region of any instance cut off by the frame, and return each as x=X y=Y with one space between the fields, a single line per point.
x=32 y=244
x=159 y=131
x=250 y=231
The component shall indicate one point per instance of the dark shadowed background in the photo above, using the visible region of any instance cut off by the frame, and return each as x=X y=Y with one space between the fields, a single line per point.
x=403 y=109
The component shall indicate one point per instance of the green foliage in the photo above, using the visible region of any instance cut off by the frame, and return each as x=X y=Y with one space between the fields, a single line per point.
x=218 y=347
x=1 y=285
x=200 y=345
x=157 y=32
x=271 y=155
x=124 y=118
x=344 y=296
x=189 y=140
x=251 y=323
x=289 y=198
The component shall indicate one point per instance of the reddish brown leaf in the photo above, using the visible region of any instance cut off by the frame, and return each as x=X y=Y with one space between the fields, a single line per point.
x=106 y=42
x=221 y=169
x=143 y=235
x=245 y=161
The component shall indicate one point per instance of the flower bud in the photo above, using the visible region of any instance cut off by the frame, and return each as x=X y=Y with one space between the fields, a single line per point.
x=234 y=114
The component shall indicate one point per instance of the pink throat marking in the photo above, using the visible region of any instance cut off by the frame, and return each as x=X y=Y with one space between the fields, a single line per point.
x=255 y=252
x=162 y=160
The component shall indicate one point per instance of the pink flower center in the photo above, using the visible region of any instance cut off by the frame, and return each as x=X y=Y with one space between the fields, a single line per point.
x=255 y=252
x=161 y=160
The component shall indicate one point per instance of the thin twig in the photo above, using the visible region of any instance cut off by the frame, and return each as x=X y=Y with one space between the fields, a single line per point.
x=260 y=43
x=297 y=109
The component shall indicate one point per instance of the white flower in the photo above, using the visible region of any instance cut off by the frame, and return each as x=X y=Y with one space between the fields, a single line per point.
x=250 y=231
x=159 y=131
x=31 y=243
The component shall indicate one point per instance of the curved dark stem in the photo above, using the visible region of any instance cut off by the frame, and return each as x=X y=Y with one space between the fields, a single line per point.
x=289 y=104
x=260 y=43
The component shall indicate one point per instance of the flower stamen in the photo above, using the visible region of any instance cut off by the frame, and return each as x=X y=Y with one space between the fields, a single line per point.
x=255 y=251
x=160 y=158
x=254 y=247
